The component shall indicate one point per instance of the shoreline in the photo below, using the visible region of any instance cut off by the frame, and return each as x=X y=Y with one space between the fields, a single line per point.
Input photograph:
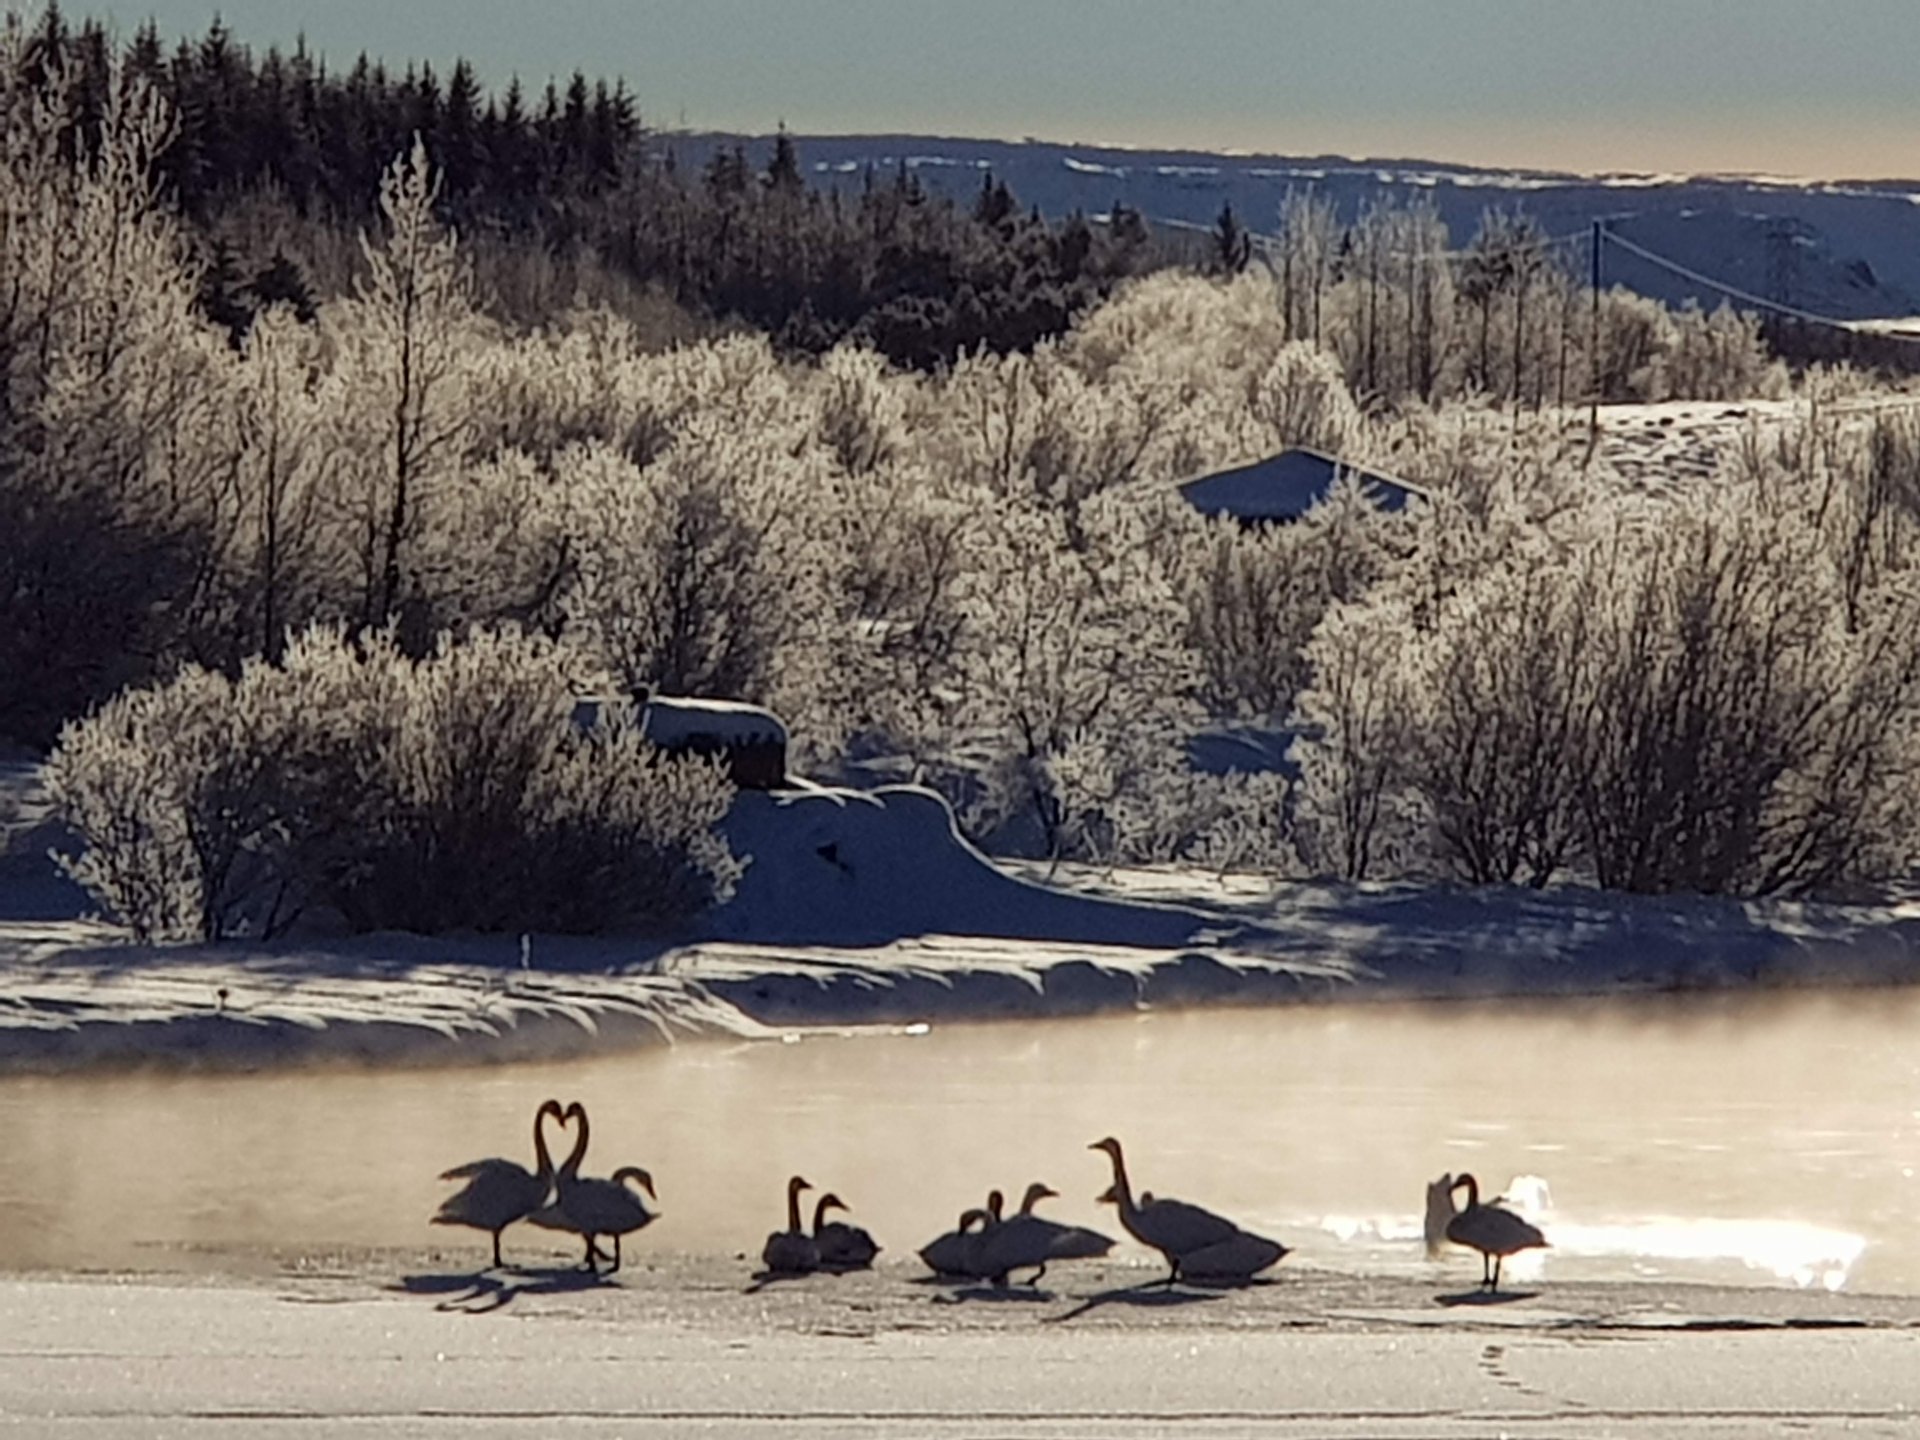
x=719 y=1289
x=75 y=1000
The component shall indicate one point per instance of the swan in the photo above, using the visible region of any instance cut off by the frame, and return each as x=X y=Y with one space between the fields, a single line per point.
x=1033 y=1240
x=607 y=1207
x=1492 y=1229
x=1183 y=1232
x=499 y=1192
x=1071 y=1242
x=791 y=1251
x=593 y=1207
x=1439 y=1212
x=841 y=1246
x=952 y=1253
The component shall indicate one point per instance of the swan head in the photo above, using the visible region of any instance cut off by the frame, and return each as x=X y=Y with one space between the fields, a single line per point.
x=828 y=1201
x=972 y=1218
x=795 y=1186
x=1464 y=1181
x=996 y=1204
x=1110 y=1145
x=1108 y=1196
x=1036 y=1192
x=639 y=1177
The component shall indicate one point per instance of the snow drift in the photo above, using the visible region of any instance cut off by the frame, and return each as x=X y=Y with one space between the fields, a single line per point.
x=867 y=867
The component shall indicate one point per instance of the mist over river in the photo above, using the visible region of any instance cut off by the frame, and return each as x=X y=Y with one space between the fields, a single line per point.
x=1766 y=1140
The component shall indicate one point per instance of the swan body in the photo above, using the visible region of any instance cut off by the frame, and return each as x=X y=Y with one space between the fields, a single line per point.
x=952 y=1253
x=1033 y=1240
x=1070 y=1242
x=791 y=1251
x=1186 y=1234
x=499 y=1192
x=841 y=1246
x=1440 y=1213
x=1239 y=1258
x=1492 y=1229
x=592 y=1207
x=595 y=1207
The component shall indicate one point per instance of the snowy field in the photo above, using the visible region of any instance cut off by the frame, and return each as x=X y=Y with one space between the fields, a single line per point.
x=869 y=910
x=347 y=1350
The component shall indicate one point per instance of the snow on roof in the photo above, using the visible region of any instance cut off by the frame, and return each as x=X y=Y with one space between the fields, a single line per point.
x=680 y=719
x=1287 y=485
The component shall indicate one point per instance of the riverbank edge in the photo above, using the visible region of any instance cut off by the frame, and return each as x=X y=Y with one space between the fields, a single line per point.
x=73 y=998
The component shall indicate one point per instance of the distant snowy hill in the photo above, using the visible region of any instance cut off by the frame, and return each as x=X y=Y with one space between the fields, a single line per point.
x=1849 y=249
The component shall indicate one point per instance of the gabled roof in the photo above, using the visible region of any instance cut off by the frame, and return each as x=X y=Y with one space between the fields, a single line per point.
x=1287 y=485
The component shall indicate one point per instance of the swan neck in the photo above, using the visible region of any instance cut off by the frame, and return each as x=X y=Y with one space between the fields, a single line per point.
x=1122 y=1190
x=793 y=1207
x=570 y=1168
x=543 y=1157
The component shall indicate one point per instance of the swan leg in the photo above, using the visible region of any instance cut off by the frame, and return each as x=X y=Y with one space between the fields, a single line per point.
x=496 y=1250
x=1496 y=1271
x=1034 y=1279
x=616 y=1254
x=593 y=1254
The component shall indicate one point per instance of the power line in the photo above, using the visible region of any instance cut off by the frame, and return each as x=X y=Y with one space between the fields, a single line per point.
x=1733 y=292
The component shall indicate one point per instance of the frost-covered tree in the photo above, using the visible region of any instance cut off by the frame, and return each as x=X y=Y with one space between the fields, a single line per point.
x=105 y=378
x=403 y=341
x=1074 y=649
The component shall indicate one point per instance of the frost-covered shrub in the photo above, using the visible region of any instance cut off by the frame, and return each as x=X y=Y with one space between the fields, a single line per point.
x=1719 y=355
x=1356 y=814
x=1658 y=696
x=450 y=792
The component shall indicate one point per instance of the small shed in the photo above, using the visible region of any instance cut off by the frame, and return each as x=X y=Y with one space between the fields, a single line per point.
x=752 y=740
x=1283 y=487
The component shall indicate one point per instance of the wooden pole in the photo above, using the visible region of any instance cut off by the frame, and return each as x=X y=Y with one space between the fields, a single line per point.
x=1593 y=345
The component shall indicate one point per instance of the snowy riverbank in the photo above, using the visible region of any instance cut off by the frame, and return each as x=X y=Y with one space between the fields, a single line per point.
x=868 y=910
x=74 y=997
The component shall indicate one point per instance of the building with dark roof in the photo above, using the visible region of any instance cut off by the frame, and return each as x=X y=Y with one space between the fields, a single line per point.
x=1284 y=487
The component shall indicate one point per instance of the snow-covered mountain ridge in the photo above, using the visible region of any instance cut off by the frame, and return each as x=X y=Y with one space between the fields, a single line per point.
x=1846 y=248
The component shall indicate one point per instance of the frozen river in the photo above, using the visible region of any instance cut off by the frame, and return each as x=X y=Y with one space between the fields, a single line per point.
x=1769 y=1141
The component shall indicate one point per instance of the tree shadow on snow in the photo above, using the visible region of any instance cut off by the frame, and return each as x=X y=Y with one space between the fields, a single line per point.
x=1484 y=1297
x=481 y=1292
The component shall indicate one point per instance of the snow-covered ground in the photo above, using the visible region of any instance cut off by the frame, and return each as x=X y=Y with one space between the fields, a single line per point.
x=869 y=909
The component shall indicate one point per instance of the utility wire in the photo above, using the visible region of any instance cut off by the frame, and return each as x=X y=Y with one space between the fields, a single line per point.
x=1747 y=296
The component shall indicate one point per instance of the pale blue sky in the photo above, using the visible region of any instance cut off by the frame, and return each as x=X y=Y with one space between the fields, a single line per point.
x=1814 y=87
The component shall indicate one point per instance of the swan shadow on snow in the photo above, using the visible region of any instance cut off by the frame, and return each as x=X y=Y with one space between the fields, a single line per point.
x=1485 y=1297
x=962 y=1293
x=480 y=1292
x=761 y=1279
x=764 y=1279
x=1153 y=1294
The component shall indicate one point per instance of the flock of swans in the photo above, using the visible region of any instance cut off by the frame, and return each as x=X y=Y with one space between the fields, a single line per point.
x=986 y=1244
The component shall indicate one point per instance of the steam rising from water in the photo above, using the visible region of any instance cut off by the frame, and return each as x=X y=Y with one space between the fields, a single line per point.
x=1768 y=1143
